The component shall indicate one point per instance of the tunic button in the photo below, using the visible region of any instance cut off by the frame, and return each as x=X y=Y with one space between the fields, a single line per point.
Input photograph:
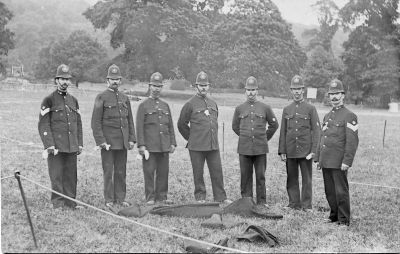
x=296 y=129
x=297 y=138
x=252 y=112
x=323 y=145
x=296 y=122
x=69 y=123
x=253 y=137
x=121 y=127
x=330 y=119
x=297 y=106
x=252 y=105
x=324 y=136
x=160 y=132
x=252 y=129
x=159 y=116
x=156 y=101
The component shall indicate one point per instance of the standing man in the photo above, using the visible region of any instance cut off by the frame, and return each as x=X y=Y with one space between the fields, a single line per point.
x=298 y=140
x=335 y=153
x=114 y=133
x=60 y=128
x=155 y=134
x=198 y=124
x=250 y=124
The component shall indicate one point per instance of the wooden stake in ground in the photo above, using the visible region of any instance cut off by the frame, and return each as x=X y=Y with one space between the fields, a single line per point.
x=384 y=132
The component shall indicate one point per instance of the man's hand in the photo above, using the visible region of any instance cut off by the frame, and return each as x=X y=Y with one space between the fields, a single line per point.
x=310 y=156
x=105 y=146
x=283 y=156
x=318 y=166
x=142 y=149
x=131 y=145
x=172 y=149
x=345 y=167
x=80 y=148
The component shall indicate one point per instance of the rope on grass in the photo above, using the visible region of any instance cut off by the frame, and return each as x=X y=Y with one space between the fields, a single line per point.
x=6 y=177
x=135 y=222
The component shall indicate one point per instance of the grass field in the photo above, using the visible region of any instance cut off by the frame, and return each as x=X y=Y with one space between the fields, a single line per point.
x=374 y=226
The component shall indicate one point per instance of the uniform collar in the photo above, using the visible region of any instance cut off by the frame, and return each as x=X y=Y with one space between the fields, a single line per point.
x=298 y=102
x=112 y=90
x=201 y=97
x=251 y=102
x=151 y=97
x=337 y=108
x=62 y=93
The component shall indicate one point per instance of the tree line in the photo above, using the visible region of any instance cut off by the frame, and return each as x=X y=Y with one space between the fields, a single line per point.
x=231 y=42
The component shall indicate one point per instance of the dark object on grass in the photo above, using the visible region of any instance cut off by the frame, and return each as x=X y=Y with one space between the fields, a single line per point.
x=244 y=207
x=194 y=247
x=255 y=233
x=134 y=211
x=200 y=210
x=221 y=222
x=247 y=208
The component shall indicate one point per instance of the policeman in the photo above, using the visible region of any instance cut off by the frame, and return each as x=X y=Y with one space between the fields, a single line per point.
x=335 y=153
x=114 y=133
x=250 y=124
x=155 y=134
x=298 y=140
x=198 y=124
x=60 y=128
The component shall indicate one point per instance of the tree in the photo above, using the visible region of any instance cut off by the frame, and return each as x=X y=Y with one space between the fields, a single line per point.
x=79 y=51
x=6 y=36
x=372 y=52
x=156 y=35
x=328 y=20
x=321 y=67
x=253 y=39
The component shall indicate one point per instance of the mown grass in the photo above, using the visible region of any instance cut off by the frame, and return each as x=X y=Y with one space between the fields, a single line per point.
x=375 y=210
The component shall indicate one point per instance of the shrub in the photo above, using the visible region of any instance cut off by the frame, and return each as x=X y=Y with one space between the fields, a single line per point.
x=179 y=84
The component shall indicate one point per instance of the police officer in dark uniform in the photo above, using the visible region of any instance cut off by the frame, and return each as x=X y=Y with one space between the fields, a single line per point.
x=198 y=124
x=114 y=133
x=60 y=128
x=335 y=153
x=155 y=134
x=250 y=124
x=300 y=130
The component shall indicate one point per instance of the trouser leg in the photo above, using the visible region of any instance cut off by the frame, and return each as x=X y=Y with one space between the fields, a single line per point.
x=55 y=165
x=120 y=158
x=246 y=175
x=260 y=165
x=107 y=160
x=198 y=158
x=149 y=167
x=330 y=192
x=306 y=189
x=213 y=159
x=342 y=196
x=70 y=177
x=162 y=176
x=292 y=182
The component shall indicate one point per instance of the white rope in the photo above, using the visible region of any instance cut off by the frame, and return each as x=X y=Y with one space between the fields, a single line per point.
x=135 y=222
x=6 y=177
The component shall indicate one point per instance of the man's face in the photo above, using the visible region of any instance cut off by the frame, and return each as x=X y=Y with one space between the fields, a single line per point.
x=251 y=93
x=298 y=93
x=336 y=99
x=155 y=90
x=63 y=83
x=202 y=89
x=114 y=83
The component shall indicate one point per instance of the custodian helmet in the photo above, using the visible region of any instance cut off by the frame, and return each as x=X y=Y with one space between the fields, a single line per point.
x=156 y=79
x=202 y=79
x=296 y=82
x=251 y=83
x=335 y=86
x=114 y=72
x=63 y=71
